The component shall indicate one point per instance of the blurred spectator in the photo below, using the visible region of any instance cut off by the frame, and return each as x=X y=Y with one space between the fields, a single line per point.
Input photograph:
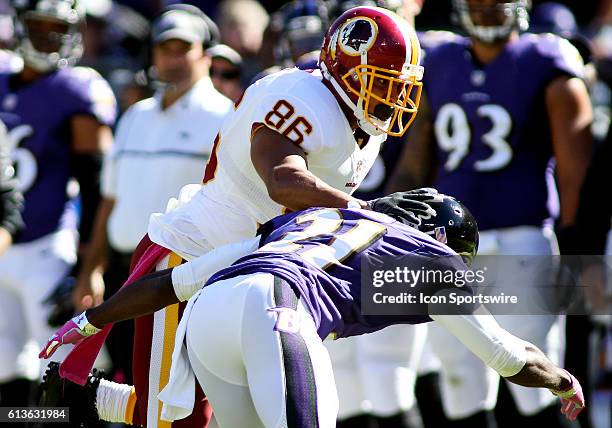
x=242 y=24
x=62 y=118
x=303 y=25
x=294 y=36
x=226 y=70
x=115 y=37
x=162 y=143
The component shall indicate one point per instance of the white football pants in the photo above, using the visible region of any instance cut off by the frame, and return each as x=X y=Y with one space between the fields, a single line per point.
x=253 y=373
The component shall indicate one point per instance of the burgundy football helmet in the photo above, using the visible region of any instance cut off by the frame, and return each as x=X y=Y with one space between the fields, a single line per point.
x=371 y=57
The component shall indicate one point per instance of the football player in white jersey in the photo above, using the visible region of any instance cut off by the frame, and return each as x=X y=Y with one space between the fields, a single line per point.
x=289 y=145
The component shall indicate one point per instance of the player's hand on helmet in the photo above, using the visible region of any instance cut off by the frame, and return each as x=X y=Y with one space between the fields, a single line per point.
x=422 y=194
x=408 y=207
x=572 y=398
x=72 y=332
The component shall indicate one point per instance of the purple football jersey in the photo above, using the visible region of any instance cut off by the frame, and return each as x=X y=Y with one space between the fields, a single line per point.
x=319 y=253
x=42 y=141
x=491 y=124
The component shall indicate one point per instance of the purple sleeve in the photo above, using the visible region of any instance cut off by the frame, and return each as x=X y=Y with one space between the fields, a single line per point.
x=91 y=95
x=560 y=55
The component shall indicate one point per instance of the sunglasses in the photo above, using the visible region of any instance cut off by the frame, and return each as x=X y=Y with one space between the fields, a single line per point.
x=225 y=74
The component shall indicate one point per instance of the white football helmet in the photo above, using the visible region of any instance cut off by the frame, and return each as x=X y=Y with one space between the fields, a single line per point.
x=46 y=49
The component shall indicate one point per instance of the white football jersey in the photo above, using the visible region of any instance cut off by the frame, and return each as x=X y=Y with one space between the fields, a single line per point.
x=234 y=199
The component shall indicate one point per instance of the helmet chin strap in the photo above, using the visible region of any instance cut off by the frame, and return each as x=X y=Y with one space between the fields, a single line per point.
x=357 y=110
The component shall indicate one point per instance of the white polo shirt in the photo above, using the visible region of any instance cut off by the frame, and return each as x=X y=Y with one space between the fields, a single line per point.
x=156 y=152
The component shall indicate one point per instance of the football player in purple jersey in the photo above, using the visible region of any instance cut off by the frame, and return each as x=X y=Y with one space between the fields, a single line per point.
x=499 y=106
x=293 y=286
x=65 y=115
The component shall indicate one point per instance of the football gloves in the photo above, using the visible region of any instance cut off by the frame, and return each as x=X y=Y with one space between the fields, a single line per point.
x=73 y=331
x=407 y=207
x=572 y=399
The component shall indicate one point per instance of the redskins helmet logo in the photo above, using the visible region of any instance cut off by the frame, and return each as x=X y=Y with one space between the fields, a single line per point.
x=357 y=35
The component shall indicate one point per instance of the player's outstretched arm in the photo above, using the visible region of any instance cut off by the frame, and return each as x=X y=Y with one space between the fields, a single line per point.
x=539 y=371
x=514 y=359
x=144 y=296
x=149 y=294
x=160 y=289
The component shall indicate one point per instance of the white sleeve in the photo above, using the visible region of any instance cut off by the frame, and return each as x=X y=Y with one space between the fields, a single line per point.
x=480 y=333
x=189 y=277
